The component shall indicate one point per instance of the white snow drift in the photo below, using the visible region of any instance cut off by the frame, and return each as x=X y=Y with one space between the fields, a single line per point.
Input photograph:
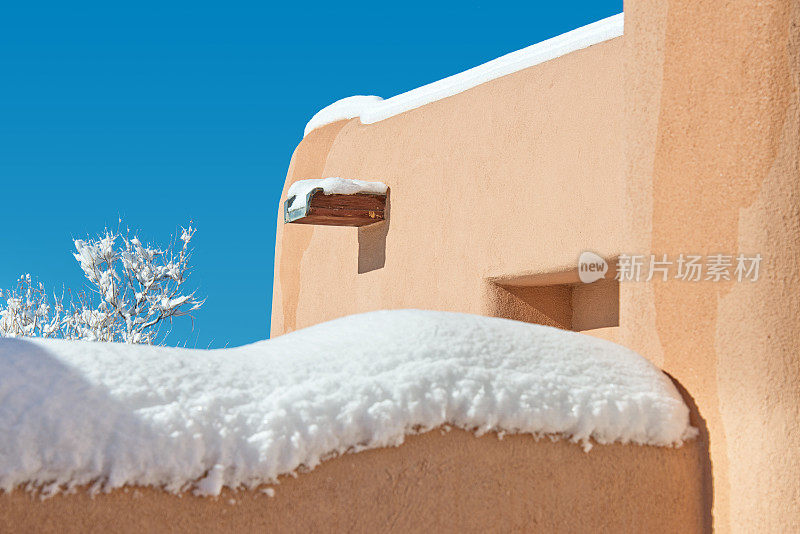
x=372 y=109
x=330 y=186
x=74 y=413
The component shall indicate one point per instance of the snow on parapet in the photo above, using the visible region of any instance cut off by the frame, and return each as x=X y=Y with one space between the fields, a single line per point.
x=331 y=186
x=74 y=413
x=346 y=108
x=373 y=109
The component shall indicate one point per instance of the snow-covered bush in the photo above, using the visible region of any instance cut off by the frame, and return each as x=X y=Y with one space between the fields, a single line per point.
x=27 y=312
x=134 y=289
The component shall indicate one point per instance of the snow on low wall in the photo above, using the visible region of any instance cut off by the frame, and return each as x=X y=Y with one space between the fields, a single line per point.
x=77 y=413
x=435 y=482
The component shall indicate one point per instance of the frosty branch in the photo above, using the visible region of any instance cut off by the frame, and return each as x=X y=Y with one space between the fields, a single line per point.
x=134 y=290
x=27 y=312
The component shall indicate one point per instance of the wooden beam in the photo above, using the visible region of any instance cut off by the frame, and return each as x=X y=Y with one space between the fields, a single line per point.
x=359 y=209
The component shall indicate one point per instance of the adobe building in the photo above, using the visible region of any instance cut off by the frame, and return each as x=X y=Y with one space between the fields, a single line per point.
x=681 y=136
x=678 y=135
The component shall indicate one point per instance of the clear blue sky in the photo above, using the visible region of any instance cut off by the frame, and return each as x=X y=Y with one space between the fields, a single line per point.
x=166 y=112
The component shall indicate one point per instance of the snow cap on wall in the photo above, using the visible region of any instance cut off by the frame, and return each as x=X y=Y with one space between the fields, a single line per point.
x=346 y=108
x=372 y=109
x=106 y=414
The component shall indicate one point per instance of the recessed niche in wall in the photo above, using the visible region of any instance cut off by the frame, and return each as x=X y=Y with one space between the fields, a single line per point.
x=571 y=306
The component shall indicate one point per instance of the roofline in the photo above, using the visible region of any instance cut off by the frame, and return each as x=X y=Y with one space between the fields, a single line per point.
x=372 y=109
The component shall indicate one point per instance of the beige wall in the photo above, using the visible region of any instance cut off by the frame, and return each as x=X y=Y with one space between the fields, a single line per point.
x=435 y=482
x=713 y=154
x=680 y=137
x=482 y=185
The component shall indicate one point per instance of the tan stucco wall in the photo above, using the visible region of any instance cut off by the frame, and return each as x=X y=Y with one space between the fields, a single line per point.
x=482 y=184
x=435 y=482
x=682 y=136
x=713 y=153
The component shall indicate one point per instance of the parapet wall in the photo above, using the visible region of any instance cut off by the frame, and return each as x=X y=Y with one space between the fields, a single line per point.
x=439 y=481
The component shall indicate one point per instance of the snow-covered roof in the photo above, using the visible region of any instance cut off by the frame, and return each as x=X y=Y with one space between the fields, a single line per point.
x=75 y=413
x=372 y=109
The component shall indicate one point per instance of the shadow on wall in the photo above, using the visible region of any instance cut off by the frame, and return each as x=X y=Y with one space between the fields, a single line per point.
x=372 y=242
x=704 y=457
x=572 y=306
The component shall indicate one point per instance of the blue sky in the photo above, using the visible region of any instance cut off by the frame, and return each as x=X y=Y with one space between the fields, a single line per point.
x=169 y=112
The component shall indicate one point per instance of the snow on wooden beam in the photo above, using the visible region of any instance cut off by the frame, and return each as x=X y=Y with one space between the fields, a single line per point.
x=335 y=201
x=359 y=209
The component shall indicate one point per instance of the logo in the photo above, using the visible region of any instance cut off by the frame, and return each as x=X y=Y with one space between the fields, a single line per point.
x=591 y=267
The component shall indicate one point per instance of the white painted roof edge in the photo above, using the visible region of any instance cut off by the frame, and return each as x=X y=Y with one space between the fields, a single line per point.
x=373 y=109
